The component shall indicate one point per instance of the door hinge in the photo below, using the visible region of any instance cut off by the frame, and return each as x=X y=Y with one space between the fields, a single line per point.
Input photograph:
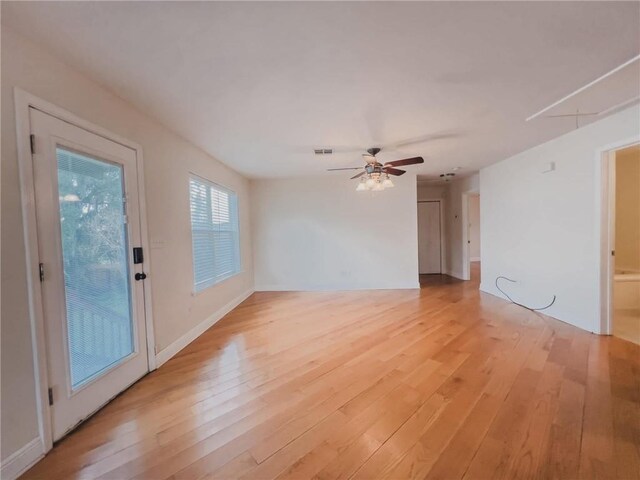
x=50 y=392
x=32 y=143
x=613 y=253
x=41 y=271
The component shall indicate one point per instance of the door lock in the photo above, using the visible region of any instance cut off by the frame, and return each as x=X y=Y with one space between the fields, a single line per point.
x=140 y=276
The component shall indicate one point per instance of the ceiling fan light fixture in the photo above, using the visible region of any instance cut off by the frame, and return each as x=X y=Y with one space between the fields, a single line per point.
x=370 y=182
x=378 y=186
x=375 y=175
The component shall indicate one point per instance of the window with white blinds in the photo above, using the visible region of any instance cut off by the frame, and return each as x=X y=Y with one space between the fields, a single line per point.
x=214 y=232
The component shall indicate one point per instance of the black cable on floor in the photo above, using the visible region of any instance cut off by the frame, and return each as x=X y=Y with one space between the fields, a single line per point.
x=520 y=304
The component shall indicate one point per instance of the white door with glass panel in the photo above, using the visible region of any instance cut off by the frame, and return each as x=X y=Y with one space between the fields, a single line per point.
x=92 y=291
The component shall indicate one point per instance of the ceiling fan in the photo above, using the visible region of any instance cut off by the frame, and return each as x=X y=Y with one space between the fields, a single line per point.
x=375 y=175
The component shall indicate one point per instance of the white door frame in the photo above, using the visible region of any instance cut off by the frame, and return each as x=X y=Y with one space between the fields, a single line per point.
x=466 y=261
x=23 y=101
x=605 y=204
x=440 y=201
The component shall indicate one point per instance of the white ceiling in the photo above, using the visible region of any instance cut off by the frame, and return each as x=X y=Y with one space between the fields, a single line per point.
x=259 y=85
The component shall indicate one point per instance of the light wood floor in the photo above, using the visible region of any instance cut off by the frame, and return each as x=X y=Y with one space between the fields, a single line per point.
x=438 y=383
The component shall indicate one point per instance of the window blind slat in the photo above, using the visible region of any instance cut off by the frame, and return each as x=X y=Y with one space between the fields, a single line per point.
x=214 y=232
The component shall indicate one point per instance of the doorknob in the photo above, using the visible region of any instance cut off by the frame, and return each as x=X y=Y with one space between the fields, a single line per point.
x=140 y=276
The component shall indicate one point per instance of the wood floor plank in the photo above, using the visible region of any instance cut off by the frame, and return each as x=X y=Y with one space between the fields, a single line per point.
x=596 y=459
x=444 y=382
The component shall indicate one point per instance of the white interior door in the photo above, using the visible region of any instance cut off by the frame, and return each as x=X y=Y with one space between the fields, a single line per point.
x=93 y=298
x=429 y=257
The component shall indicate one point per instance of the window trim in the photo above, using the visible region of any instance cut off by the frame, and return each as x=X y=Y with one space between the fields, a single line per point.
x=216 y=281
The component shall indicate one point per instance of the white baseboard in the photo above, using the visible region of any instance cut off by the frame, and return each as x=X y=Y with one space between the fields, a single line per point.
x=195 y=332
x=19 y=462
x=306 y=288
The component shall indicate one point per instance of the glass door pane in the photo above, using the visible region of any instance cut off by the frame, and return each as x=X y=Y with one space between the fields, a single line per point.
x=96 y=266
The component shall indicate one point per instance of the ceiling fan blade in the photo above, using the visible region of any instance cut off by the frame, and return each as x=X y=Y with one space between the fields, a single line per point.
x=358 y=175
x=346 y=168
x=394 y=171
x=406 y=161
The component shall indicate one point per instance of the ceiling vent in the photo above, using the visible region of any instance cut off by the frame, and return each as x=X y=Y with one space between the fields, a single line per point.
x=323 y=151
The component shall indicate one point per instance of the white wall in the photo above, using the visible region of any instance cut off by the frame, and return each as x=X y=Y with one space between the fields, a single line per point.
x=168 y=161
x=427 y=191
x=454 y=225
x=320 y=234
x=543 y=229
x=474 y=227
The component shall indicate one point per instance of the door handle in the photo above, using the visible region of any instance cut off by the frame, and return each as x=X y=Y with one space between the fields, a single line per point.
x=140 y=276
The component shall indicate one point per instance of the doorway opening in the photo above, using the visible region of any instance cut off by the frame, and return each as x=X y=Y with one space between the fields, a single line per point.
x=624 y=240
x=471 y=245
